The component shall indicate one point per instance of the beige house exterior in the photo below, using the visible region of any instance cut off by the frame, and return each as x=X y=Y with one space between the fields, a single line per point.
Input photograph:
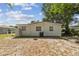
x=39 y=29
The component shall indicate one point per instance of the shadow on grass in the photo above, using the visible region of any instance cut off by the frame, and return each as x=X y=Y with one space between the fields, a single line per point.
x=44 y=37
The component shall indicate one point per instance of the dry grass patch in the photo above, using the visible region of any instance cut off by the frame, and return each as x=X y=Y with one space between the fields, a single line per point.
x=3 y=36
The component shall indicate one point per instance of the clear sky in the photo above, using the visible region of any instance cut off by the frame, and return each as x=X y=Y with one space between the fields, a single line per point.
x=20 y=13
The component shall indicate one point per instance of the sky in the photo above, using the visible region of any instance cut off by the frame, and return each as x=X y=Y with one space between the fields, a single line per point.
x=22 y=13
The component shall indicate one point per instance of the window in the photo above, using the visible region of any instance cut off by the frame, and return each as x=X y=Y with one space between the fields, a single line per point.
x=51 y=28
x=38 y=28
x=23 y=27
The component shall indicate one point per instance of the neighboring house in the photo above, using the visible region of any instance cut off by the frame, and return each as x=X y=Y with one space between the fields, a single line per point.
x=39 y=29
x=6 y=30
x=75 y=23
x=76 y=28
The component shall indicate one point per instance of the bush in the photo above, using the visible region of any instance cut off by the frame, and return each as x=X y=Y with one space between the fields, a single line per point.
x=74 y=32
x=71 y=32
x=66 y=33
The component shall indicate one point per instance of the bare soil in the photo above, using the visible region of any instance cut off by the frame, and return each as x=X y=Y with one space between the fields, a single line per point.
x=38 y=47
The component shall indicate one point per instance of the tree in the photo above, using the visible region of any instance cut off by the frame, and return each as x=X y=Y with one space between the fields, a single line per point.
x=62 y=12
x=10 y=5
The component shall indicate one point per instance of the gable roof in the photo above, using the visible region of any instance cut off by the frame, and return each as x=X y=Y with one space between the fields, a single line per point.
x=38 y=22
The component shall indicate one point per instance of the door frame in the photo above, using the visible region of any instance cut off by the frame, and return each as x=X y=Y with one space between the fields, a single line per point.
x=41 y=34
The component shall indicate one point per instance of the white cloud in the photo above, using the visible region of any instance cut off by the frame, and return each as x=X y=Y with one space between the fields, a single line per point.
x=25 y=4
x=1 y=22
x=34 y=4
x=17 y=3
x=27 y=8
x=40 y=13
x=16 y=15
x=0 y=10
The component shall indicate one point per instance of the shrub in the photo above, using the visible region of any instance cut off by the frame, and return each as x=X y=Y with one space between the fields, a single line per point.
x=74 y=32
x=66 y=33
x=71 y=32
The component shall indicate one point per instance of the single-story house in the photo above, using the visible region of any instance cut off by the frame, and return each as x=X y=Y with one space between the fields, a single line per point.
x=6 y=29
x=76 y=28
x=39 y=29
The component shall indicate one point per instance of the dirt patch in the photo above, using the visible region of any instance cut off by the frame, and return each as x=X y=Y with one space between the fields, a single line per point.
x=39 y=47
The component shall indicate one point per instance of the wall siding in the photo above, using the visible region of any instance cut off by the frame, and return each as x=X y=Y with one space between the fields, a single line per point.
x=31 y=29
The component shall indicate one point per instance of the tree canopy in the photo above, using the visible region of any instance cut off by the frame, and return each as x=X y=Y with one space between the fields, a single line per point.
x=61 y=12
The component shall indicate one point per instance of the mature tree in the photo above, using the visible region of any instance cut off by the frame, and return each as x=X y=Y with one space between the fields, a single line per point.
x=62 y=12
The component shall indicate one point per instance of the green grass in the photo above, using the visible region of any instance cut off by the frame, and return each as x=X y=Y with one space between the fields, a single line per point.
x=2 y=36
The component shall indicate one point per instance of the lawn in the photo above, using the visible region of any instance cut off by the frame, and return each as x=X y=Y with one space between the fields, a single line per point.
x=2 y=36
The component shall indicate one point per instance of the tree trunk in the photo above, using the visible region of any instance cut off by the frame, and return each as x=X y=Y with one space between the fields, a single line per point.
x=67 y=30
